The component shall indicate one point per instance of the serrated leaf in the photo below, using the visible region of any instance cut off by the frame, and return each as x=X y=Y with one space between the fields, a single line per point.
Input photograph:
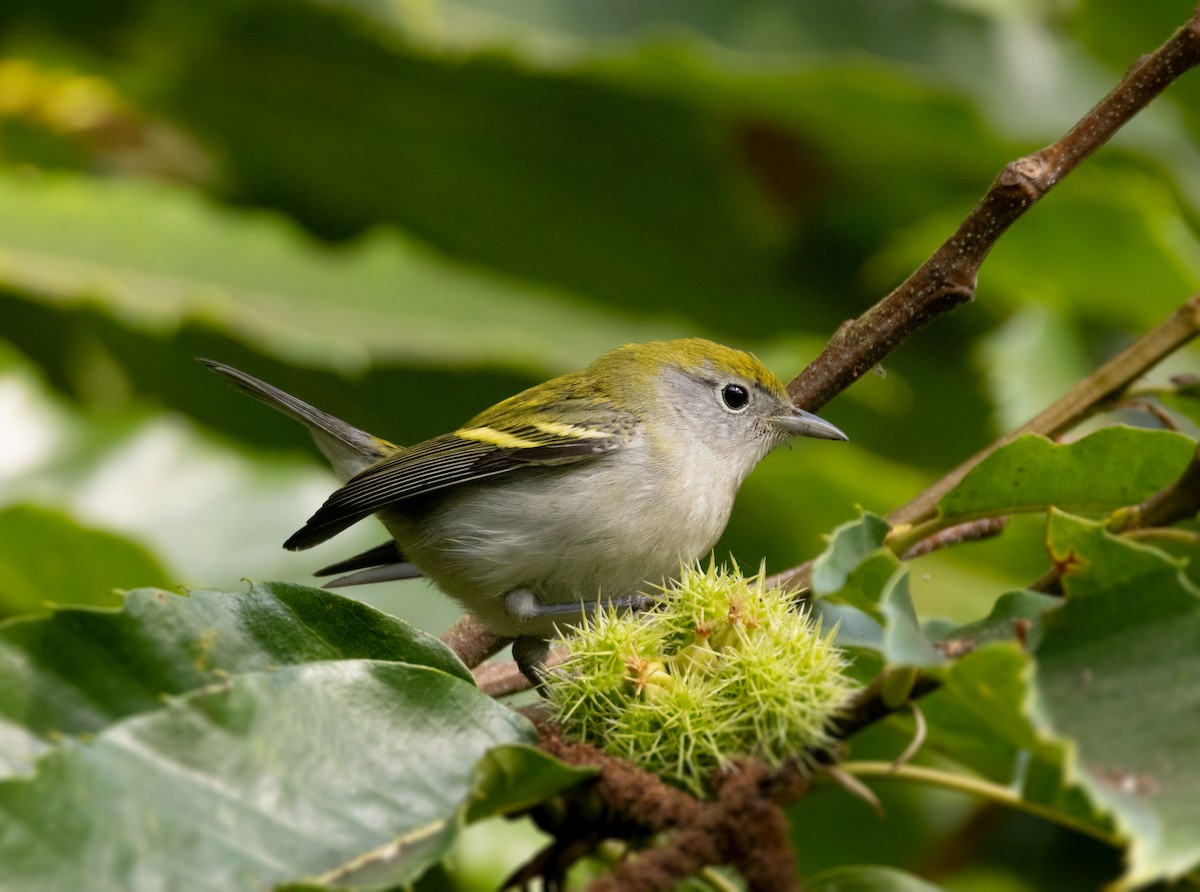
x=849 y=546
x=984 y=716
x=888 y=627
x=858 y=577
x=270 y=777
x=145 y=254
x=1101 y=725
x=1108 y=469
x=48 y=558
x=81 y=670
x=508 y=779
x=1119 y=673
x=1011 y=609
x=904 y=640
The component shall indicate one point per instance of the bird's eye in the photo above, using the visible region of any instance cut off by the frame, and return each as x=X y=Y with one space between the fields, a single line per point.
x=735 y=396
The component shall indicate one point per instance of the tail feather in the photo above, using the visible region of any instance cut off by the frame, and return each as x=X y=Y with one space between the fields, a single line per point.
x=379 y=564
x=381 y=555
x=348 y=448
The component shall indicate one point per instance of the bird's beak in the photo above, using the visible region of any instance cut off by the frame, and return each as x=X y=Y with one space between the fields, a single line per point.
x=806 y=424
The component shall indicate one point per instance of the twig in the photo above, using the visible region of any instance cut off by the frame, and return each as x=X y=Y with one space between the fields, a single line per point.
x=971 y=531
x=948 y=277
x=869 y=706
x=472 y=642
x=1178 y=501
x=918 y=740
x=1082 y=401
x=1100 y=388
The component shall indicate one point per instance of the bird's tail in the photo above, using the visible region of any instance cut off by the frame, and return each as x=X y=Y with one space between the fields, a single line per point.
x=348 y=449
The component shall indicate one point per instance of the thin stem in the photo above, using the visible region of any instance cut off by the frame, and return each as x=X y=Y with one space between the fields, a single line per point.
x=948 y=277
x=472 y=642
x=1162 y=534
x=980 y=789
x=1105 y=384
x=1178 y=501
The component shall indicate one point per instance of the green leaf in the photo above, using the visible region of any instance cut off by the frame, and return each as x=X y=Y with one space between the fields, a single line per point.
x=508 y=779
x=904 y=641
x=979 y=715
x=849 y=546
x=867 y=879
x=1108 y=469
x=857 y=575
x=1103 y=726
x=145 y=253
x=1012 y=608
x=888 y=626
x=81 y=670
x=1119 y=673
x=513 y=778
x=48 y=558
x=269 y=777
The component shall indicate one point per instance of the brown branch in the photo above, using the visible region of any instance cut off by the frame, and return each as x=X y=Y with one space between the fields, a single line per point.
x=1098 y=389
x=502 y=679
x=948 y=278
x=971 y=531
x=1094 y=392
x=1174 y=503
x=472 y=641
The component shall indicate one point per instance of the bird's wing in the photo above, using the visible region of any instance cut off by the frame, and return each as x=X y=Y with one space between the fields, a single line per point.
x=569 y=431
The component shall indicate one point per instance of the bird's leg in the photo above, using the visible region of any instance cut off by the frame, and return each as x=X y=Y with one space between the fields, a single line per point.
x=530 y=651
x=522 y=604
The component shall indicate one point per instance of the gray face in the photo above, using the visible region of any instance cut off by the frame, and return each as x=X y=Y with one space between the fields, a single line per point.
x=728 y=416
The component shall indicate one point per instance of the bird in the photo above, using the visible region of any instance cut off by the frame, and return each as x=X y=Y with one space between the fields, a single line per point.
x=591 y=489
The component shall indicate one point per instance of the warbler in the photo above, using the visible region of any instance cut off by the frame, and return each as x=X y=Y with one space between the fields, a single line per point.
x=588 y=489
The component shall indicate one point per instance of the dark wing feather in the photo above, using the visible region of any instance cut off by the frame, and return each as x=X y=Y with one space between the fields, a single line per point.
x=458 y=458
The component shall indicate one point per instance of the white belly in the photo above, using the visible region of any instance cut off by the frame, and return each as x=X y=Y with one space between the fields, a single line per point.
x=570 y=534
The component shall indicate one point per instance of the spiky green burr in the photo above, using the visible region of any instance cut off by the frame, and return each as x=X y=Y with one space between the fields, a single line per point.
x=720 y=667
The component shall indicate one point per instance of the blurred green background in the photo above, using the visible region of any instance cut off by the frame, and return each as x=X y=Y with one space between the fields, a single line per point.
x=404 y=211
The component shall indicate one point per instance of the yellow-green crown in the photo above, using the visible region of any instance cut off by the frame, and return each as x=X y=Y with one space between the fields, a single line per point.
x=696 y=355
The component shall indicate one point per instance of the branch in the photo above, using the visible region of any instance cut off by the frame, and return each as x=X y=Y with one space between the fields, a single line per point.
x=979 y=788
x=1177 y=501
x=1104 y=386
x=948 y=278
x=472 y=642
x=1174 y=503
